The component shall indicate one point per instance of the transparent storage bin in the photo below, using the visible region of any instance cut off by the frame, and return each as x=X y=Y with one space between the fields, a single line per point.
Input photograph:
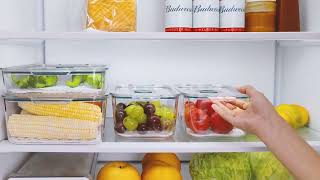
x=200 y=120
x=55 y=120
x=53 y=166
x=55 y=80
x=144 y=111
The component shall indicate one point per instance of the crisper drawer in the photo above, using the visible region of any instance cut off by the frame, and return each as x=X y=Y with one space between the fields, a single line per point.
x=55 y=121
x=53 y=166
x=55 y=80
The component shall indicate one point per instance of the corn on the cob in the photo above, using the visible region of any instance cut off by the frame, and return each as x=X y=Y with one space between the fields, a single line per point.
x=51 y=128
x=23 y=112
x=73 y=110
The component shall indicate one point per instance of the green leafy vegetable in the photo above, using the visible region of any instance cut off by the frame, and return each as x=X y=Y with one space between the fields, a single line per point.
x=265 y=166
x=31 y=81
x=76 y=81
x=51 y=81
x=94 y=81
x=220 y=166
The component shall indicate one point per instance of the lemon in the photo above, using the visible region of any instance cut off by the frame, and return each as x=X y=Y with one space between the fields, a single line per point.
x=290 y=114
x=286 y=117
x=304 y=114
x=295 y=115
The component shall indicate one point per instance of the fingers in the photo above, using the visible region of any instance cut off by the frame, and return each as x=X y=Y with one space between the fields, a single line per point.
x=248 y=90
x=239 y=103
x=229 y=105
x=223 y=111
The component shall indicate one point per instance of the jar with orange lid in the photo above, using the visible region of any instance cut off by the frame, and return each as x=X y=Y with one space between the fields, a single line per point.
x=261 y=15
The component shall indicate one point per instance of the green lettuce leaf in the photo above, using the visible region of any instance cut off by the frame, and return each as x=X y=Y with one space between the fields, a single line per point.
x=265 y=166
x=220 y=166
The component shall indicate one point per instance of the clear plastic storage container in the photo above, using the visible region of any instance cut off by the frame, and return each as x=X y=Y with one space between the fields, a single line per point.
x=55 y=80
x=144 y=111
x=53 y=166
x=200 y=118
x=55 y=120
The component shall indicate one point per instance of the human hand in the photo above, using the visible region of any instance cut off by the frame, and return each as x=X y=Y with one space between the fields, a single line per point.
x=254 y=116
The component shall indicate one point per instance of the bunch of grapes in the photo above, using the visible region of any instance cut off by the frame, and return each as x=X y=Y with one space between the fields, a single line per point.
x=143 y=117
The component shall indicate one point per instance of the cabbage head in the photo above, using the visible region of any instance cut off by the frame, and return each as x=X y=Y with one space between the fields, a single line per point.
x=265 y=166
x=220 y=166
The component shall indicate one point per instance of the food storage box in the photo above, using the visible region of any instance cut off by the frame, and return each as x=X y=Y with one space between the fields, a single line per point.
x=198 y=114
x=54 y=120
x=144 y=111
x=53 y=166
x=55 y=80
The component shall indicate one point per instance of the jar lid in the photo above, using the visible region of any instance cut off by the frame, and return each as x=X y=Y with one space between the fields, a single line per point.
x=261 y=1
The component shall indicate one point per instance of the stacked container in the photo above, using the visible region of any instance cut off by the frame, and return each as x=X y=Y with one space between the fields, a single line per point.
x=55 y=104
x=144 y=111
x=200 y=118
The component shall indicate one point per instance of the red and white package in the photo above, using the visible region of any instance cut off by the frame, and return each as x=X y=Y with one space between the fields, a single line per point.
x=206 y=16
x=178 y=16
x=232 y=15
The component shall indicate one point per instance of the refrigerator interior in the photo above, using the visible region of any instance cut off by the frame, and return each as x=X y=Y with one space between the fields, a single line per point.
x=285 y=71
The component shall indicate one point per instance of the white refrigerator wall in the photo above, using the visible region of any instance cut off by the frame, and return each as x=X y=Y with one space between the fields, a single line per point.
x=18 y=16
x=300 y=79
x=309 y=14
x=299 y=66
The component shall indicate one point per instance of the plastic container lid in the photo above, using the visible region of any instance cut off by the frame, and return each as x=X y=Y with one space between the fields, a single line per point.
x=210 y=91
x=44 y=69
x=12 y=97
x=144 y=92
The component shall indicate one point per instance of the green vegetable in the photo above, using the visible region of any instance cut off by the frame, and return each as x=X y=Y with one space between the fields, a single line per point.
x=51 y=81
x=22 y=82
x=220 y=166
x=95 y=81
x=34 y=81
x=265 y=166
x=76 y=81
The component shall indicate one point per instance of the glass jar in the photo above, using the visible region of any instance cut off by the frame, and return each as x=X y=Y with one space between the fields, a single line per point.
x=261 y=15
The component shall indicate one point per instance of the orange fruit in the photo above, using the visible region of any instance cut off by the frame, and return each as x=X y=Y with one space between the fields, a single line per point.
x=161 y=171
x=167 y=158
x=118 y=171
x=154 y=163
